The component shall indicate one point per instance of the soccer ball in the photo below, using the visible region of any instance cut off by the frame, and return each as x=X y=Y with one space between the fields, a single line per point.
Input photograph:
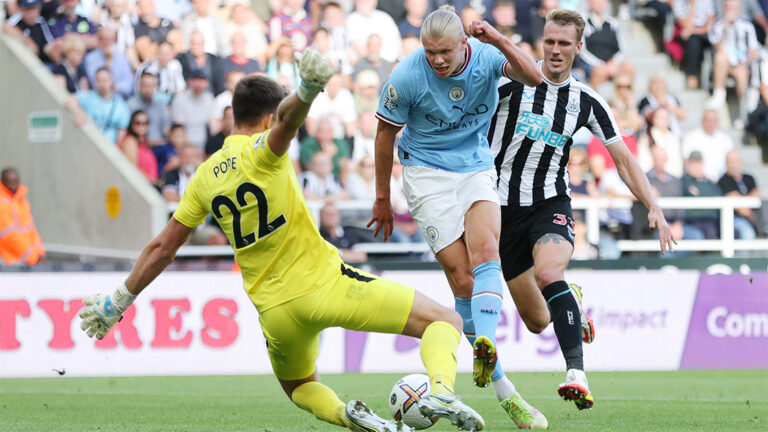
x=404 y=397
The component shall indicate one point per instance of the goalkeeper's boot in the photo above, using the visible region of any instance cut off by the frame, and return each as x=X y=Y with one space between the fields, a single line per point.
x=450 y=406
x=484 y=361
x=576 y=389
x=523 y=414
x=360 y=418
x=587 y=326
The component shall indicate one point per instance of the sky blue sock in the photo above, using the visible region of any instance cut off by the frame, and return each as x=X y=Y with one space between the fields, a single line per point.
x=486 y=299
x=464 y=308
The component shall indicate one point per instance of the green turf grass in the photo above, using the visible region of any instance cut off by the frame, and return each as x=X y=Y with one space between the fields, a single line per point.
x=637 y=401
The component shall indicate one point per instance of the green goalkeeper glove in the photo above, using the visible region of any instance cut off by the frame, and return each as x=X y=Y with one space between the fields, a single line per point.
x=102 y=311
x=315 y=72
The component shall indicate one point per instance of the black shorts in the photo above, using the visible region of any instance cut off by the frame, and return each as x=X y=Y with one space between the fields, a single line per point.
x=521 y=227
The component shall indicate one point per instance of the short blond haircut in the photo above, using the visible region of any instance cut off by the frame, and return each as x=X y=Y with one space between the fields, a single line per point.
x=442 y=22
x=71 y=43
x=565 y=17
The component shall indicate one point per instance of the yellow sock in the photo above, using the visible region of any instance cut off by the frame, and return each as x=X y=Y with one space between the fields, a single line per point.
x=321 y=401
x=438 y=352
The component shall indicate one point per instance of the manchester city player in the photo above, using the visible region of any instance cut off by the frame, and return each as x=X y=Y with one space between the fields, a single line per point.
x=444 y=94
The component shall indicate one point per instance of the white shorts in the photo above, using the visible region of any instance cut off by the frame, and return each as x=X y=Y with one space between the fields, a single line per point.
x=439 y=199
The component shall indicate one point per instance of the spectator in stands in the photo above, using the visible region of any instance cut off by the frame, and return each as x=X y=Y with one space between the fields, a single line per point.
x=366 y=20
x=107 y=109
x=292 y=22
x=224 y=99
x=655 y=15
x=757 y=121
x=20 y=242
x=580 y=181
x=364 y=141
x=208 y=25
x=361 y=183
x=658 y=134
x=71 y=69
x=600 y=159
x=696 y=184
x=666 y=185
x=505 y=19
x=118 y=18
x=619 y=220
x=582 y=248
x=243 y=20
x=735 y=183
x=150 y=30
x=145 y=101
x=66 y=20
x=372 y=59
x=344 y=238
x=168 y=70
x=194 y=108
x=602 y=48
x=107 y=56
x=216 y=142
x=33 y=30
x=415 y=11
x=468 y=14
x=337 y=104
x=752 y=11
x=176 y=182
x=135 y=146
x=624 y=100
x=659 y=97
x=173 y=10
x=367 y=92
x=167 y=154
x=238 y=60
x=410 y=43
x=538 y=18
x=324 y=141
x=198 y=59
x=735 y=48
x=712 y=143
x=338 y=60
x=334 y=19
x=318 y=182
x=693 y=20
x=281 y=67
x=177 y=179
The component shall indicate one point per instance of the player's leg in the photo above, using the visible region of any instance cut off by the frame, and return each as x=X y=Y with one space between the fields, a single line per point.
x=365 y=302
x=551 y=254
x=293 y=343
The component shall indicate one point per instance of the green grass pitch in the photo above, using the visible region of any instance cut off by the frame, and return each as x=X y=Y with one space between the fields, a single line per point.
x=636 y=401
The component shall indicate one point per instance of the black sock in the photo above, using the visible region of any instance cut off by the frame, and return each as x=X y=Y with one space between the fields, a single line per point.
x=567 y=322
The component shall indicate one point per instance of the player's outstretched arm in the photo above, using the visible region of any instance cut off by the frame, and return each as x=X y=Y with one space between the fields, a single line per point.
x=102 y=311
x=521 y=67
x=638 y=183
x=382 y=213
x=315 y=72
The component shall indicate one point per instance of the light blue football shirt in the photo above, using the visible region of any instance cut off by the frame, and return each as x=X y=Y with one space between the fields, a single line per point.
x=446 y=119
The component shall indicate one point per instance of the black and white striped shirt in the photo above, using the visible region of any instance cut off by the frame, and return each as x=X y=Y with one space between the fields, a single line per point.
x=530 y=136
x=739 y=38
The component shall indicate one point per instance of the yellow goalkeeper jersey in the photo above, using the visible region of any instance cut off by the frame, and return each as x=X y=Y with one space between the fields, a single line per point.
x=256 y=199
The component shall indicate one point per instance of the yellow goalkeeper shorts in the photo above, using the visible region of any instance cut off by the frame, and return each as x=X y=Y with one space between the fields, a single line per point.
x=356 y=300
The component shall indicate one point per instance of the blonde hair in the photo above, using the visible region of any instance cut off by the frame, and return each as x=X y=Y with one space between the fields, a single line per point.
x=72 y=43
x=565 y=17
x=442 y=22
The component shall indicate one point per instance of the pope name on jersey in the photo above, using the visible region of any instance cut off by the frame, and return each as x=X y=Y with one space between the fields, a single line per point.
x=442 y=115
x=246 y=185
x=530 y=136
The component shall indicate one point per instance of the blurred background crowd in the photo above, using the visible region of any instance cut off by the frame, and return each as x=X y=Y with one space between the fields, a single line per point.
x=157 y=76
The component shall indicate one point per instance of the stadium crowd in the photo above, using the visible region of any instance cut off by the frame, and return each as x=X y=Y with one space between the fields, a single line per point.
x=157 y=78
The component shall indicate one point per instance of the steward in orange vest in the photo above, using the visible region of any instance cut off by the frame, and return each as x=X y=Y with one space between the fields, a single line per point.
x=19 y=240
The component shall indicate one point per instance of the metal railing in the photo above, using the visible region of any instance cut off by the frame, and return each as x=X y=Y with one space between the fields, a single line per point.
x=726 y=244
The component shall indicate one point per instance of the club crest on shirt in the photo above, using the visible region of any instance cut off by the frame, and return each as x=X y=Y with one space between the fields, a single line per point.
x=432 y=234
x=573 y=106
x=456 y=94
x=391 y=92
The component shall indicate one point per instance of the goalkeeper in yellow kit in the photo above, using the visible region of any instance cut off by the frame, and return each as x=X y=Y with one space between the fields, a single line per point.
x=296 y=280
